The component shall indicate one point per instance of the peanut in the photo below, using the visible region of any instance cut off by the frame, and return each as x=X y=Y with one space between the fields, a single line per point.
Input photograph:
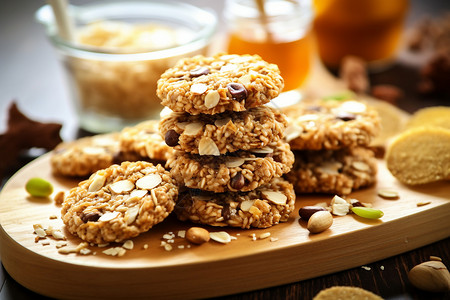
x=197 y=235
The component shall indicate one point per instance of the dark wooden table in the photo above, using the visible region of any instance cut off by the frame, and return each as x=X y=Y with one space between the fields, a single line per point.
x=30 y=73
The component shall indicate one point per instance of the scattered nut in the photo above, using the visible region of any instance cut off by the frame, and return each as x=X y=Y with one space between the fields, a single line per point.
x=320 y=221
x=39 y=187
x=423 y=203
x=197 y=235
x=432 y=276
x=307 y=211
x=339 y=206
x=221 y=237
x=59 y=198
x=388 y=194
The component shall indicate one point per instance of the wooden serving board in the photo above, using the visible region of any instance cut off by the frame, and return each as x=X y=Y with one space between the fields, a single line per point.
x=212 y=269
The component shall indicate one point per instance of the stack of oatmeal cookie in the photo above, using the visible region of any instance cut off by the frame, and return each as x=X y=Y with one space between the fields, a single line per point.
x=330 y=141
x=229 y=154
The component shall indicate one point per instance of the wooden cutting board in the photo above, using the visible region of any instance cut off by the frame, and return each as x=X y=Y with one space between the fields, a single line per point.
x=212 y=269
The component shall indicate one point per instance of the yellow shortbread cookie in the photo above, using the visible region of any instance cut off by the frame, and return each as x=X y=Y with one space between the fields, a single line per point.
x=420 y=155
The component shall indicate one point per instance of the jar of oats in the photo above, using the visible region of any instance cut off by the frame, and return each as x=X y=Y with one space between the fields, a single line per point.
x=118 y=53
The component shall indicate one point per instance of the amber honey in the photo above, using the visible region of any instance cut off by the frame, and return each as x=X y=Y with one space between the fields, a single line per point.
x=370 y=29
x=292 y=58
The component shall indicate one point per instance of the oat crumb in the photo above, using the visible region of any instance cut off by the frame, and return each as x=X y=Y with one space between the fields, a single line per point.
x=52 y=217
x=180 y=246
x=145 y=246
x=103 y=245
x=382 y=268
x=423 y=203
x=45 y=243
x=182 y=234
x=366 y=268
x=273 y=239
x=264 y=235
x=85 y=251
x=128 y=245
x=168 y=247
x=188 y=246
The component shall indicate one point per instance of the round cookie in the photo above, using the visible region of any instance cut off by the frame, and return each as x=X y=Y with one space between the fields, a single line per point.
x=229 y=131
x=86 y=155
x=346 y=292
x=240 y=171
x=119 y=202
x=263 y=207
x=212 y=85
x=330 y=125
x=333 y=172
x=145 y=141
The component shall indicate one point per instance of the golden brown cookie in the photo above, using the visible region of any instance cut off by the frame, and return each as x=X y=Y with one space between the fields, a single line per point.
x=119 y=202
x=229 y=131
x=212 y=85
x=330 y=124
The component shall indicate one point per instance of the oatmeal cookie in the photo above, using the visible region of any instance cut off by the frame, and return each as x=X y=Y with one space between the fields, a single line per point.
x=119 y=202
x=229 y=131
x=212 y=85
x=333 y=172
x=84 y=156
x=330 y=125
x=346 y=292
x=144 y=140
x=260 y=208
x=239 y=171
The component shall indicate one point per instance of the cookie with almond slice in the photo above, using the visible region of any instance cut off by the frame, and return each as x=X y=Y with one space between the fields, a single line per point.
x=243 y=170
x=119 y=202
x=229 y=131
x=224 y=82
x=262 y=207
x=333 y=171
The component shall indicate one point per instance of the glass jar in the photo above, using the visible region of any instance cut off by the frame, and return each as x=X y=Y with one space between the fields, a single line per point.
x=369 y=29
x=279 y=33
x=115 y=86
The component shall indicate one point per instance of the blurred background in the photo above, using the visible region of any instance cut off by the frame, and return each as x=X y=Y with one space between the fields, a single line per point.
x=31 y=74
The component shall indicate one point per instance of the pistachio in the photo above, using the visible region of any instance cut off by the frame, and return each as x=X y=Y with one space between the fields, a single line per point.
x=320 y=221
x=38 y=187
x=432 y=276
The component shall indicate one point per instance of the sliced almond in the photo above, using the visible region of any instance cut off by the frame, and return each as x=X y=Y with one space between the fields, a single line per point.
x=246 y=79
x=275 y=197
x=330 y=167
x=206 y=146
x=389 y=194
x=212 y=99
x=115 y=251
x=307 y=118
x=264 y=150
x=149 y=181
x=121 y=186
x=360 y=166
x=193 y=128
x=109 y=216
x=246 y=204
x=93 y=150
x=222 y=122
x=131 y=214
x=128 y=245
x=228 y=67
x=57 y=234
x=233 y=162
x=199 y=88
x=97 y=183
x=292 y=132
x=182 y=125
x=353 y=107
x=221 y=237
x=138 y=193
